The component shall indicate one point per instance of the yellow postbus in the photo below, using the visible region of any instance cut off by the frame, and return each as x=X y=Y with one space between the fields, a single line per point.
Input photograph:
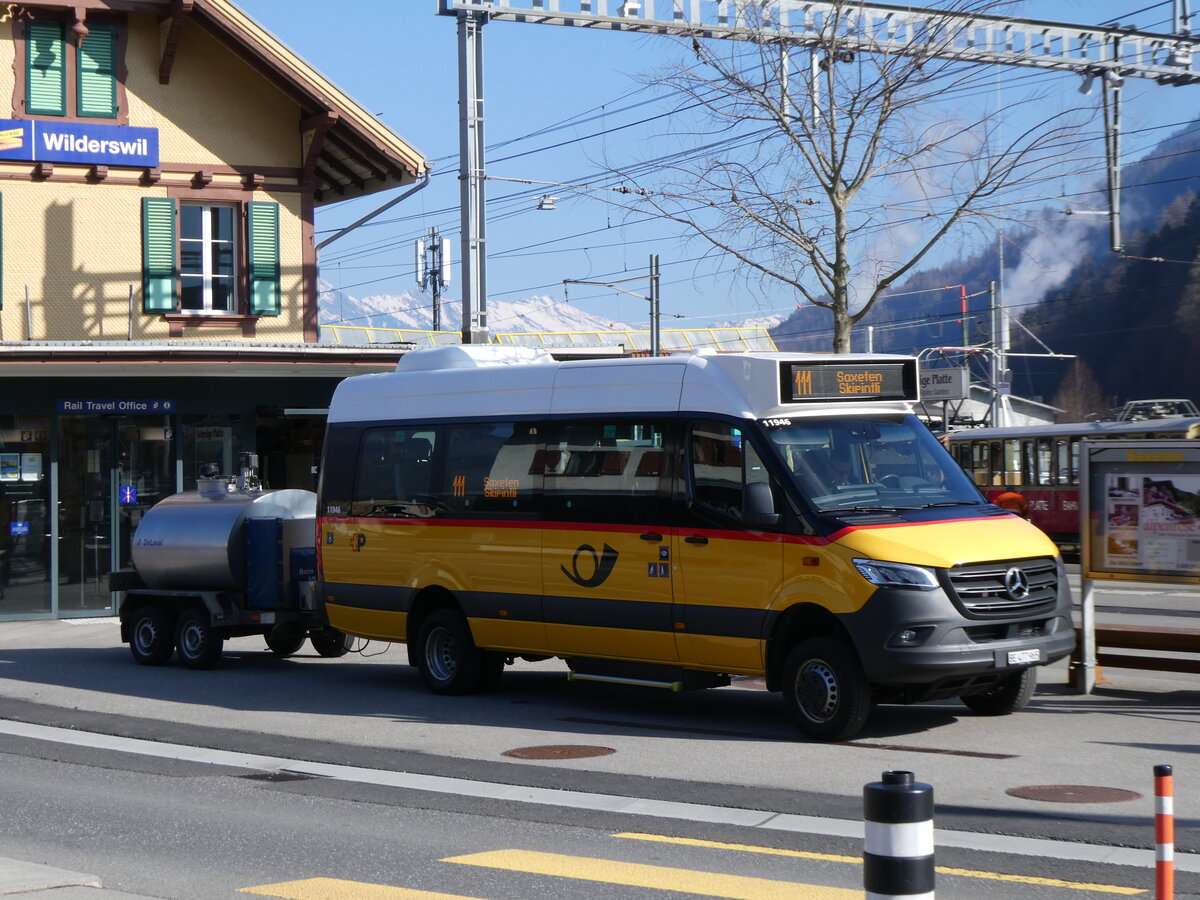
x=676 y=521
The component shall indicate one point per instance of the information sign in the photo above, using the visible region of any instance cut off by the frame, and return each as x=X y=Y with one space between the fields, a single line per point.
x=116 y=406
x=938 y=385
x=37 y=140
x=822 y=382
x=1141 y=510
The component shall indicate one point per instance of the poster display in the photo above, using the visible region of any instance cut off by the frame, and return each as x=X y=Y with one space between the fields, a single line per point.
x=1141 y=502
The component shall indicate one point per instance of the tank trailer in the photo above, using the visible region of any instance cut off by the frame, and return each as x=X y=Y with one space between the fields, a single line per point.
x=226 y=560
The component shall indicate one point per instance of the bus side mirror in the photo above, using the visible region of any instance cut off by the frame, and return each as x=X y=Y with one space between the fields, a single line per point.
x=759 y=506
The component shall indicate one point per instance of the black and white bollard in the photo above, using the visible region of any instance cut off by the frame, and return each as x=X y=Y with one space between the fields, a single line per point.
x=898 y=852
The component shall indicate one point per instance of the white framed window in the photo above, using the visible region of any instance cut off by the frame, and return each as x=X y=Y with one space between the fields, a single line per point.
x=208 y=254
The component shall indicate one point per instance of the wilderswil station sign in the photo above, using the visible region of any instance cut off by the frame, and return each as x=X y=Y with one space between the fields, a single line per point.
x=78 y=142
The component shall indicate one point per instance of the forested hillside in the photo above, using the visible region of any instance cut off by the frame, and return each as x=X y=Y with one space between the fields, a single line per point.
x=1133 y=322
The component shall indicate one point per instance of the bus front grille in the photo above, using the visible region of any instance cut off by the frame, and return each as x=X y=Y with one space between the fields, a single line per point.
x=1005 y=588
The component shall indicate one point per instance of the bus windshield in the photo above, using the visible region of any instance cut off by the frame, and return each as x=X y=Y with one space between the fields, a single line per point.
x=882 y=462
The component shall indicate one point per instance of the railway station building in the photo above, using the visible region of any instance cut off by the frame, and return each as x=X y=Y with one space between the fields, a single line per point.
x=160 y=164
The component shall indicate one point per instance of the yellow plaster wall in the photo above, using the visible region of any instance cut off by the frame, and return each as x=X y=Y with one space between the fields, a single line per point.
x=216 y=108
x=78 y=246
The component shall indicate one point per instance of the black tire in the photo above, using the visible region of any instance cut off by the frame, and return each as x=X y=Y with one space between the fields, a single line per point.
x=1011 y=693
x=285 y=642
x=447 y=658
x=331 y=643
x=151 y=635
x=196 y=641
x=825 y=690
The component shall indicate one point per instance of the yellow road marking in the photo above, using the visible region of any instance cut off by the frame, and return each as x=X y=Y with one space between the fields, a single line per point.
x=336 y=889
x=744 y=848
x=687 y=881
x=828 y=857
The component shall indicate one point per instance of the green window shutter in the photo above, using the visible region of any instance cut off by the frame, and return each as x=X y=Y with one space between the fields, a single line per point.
x=45 y=69
x=262 y=227
x=159 y=252
x=97 y=73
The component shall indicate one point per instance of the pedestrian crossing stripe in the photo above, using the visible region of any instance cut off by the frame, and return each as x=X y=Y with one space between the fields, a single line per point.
x=706 y=884
x=337 y=889
x=830 y=857
x=684 y=881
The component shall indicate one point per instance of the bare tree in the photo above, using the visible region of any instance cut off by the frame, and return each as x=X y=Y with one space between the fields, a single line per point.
x=836 y=171
x=1079 y=395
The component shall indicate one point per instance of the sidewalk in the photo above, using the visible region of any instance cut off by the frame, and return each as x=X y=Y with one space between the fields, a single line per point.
x=19 y=879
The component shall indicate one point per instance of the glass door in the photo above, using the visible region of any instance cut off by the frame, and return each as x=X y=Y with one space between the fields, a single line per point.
x=24 y=523
x=144 y=474
x=85 y=497
x=111 y=470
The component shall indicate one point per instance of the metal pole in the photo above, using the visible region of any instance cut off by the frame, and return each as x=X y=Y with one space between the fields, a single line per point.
x=435 y=275
x=994 y=310
x=962 y=290
x=1085 y=675
x=655 y=345
x=471 y=176
x=1111 y=92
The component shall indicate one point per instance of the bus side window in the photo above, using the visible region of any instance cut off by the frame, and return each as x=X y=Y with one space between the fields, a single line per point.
x=604 y=471
x=721 y=462
x=492 y=467
x=337 y=470
x=393 y=475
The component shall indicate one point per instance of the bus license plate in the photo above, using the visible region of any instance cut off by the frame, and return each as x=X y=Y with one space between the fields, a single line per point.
x=1019 y=657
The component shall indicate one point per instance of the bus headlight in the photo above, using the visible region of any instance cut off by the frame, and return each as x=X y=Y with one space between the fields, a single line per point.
x=897 y=575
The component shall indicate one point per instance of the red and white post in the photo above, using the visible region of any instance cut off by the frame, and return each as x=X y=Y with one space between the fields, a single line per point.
x=1164 y=834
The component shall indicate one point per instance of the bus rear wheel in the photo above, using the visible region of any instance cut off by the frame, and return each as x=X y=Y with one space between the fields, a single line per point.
x=825 y=690
x=447 y=658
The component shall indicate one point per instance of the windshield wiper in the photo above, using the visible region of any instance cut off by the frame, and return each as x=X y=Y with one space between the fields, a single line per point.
x=948 y=503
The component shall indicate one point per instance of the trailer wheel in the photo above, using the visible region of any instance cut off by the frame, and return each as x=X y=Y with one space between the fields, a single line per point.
x=447 y=658
x=150 y=639
x=198 y=643
x=825 y=689
x=284 y=641
x=331 y=643
x=1011 y=693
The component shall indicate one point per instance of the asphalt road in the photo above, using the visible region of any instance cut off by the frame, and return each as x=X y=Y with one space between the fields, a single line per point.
x=382 y=783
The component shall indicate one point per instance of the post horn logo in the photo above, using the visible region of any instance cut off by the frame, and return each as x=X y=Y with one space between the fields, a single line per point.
x=602 y=565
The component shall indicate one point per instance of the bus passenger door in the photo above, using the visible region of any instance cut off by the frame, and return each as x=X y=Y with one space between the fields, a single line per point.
x=726 y=575
x=605 y=563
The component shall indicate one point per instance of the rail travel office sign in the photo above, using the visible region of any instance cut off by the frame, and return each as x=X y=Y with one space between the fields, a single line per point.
x=83 y=143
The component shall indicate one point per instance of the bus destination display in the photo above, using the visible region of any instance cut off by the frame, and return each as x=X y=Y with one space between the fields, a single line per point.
x=805 y=382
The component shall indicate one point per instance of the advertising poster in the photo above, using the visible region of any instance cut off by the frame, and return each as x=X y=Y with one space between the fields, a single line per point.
x=10 y=466
x=1143 y=509
x=31 y=467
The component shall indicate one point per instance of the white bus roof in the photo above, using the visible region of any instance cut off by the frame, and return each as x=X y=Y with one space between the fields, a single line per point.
x=477 y=381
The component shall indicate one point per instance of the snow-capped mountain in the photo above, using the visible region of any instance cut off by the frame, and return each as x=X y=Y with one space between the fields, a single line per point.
x=409 y=310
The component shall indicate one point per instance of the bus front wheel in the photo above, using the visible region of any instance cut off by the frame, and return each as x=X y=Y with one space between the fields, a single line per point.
x=447 y=658
x=1009 y=694
x=825 y=689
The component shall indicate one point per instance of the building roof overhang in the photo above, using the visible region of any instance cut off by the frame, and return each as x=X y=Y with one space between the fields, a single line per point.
x=348 y=151
x=121 y=359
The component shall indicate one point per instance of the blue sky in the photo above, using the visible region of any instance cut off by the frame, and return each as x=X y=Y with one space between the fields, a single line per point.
x=558 y=102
